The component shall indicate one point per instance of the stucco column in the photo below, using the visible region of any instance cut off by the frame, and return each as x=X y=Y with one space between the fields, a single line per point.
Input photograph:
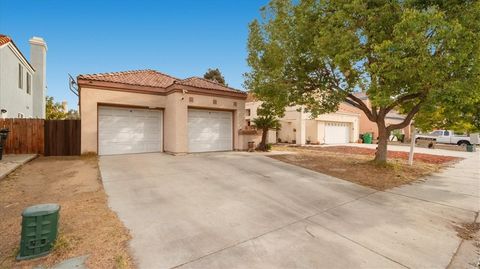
x=239 y=123
x=176 y=123
x=301 y=129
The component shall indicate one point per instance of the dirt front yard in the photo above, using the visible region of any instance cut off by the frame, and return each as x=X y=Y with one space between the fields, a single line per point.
x=87 y=226
x=355 y=164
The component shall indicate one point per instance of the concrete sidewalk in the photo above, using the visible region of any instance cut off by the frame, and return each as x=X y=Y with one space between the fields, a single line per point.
x=10 y=162
x=240 y=210
x=443 y=152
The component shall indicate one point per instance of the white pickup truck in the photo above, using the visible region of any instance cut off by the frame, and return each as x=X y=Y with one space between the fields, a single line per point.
x=445 y=137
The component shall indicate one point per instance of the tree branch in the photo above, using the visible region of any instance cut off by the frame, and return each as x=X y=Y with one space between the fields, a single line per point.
x=358 y=103
x=407 y=119
x=403 y=99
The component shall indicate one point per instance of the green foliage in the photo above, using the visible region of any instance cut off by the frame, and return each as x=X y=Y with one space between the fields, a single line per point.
x=72 y=114
x=462 y=117
x=268 y=146
x=56 y=111
x=266 y=123
x=215 y=75
x=417 y=57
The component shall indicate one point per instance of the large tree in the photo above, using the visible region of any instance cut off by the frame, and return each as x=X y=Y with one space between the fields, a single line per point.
x=215 y=75
x=409 y=55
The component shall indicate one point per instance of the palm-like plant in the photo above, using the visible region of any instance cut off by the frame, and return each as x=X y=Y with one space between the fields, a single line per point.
x=265 y=123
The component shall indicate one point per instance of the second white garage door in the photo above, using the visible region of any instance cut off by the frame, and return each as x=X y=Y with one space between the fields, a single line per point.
x=129 y=130
x=337 y=132
x=209 y=130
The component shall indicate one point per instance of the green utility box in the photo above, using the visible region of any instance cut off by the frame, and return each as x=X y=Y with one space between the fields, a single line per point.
x=471 y=148
x=367 y=138
x=39 y=230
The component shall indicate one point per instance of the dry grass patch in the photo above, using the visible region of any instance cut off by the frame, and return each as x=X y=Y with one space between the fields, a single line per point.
x=87 y=225
x=357 y=168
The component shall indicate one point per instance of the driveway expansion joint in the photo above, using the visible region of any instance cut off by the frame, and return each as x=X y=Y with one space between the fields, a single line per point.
x=280 y=228
x=359 y=244
x=432 y=202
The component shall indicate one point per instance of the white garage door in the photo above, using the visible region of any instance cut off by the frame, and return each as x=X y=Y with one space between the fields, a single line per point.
x=337 y=132
x=209 y=130
x=129 y=130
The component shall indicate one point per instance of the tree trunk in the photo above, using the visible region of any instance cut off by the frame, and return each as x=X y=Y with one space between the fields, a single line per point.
x=263 y=144
x=383 y=135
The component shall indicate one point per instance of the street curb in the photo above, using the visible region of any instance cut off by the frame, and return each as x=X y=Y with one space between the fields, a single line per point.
x=11 y=170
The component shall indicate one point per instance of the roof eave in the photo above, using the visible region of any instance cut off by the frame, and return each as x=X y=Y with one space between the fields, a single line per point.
x=86 y=83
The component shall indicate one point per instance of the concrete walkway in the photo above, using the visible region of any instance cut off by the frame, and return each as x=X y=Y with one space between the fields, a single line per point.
x=240 y=210
x=10 y=162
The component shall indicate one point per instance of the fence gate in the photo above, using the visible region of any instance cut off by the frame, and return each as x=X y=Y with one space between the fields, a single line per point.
x=62 y=137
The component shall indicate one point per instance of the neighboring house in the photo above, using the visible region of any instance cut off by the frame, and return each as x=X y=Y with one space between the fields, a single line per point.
x=298 y=126
x=367 y=126
x=148 y=111
x=22 y=82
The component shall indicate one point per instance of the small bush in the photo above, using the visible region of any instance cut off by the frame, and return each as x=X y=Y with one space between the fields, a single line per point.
x=268 y=147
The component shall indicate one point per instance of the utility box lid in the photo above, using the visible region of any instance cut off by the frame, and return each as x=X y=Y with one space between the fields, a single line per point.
x=40 y=210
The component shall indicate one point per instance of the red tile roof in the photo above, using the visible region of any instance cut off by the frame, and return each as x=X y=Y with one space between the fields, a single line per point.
x=149 y=78
x=206 y=84
x=4 y=39
x=155 y=79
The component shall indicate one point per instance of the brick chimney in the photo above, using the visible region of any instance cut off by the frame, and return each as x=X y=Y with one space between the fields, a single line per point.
x=38 y=59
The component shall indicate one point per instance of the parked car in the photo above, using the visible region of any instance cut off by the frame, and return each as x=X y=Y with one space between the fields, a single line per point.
x=445 y=137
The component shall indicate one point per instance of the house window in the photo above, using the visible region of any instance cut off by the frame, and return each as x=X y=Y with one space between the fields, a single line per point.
x=29 y=83
x=247 y=112
x=20 y=76
x=248 y=123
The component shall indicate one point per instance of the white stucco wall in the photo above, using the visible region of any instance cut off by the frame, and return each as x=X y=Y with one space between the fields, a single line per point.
x=12 y=98
x=38 y=59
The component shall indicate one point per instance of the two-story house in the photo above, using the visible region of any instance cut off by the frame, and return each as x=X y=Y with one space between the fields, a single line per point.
x=22 y=82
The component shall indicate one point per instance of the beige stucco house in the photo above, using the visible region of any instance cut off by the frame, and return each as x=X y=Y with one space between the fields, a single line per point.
x=367 y=126
x=300 y=128
x=148 y=111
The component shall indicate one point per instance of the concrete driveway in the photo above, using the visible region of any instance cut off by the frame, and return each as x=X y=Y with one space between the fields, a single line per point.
x=241 y=210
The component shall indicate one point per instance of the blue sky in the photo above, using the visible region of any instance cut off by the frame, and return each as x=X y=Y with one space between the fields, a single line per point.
x=179 y=37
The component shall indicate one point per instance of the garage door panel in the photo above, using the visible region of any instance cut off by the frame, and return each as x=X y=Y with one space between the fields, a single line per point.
x=337 y=133
x=209 y=130
x=126 y=130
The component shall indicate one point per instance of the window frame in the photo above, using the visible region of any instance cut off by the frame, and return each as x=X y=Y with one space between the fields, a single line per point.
x=29 y=83
x=20 y=76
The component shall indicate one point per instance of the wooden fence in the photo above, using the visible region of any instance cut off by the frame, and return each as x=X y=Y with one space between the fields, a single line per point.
x=37 y=136
x=62 y=137
x=25 y=136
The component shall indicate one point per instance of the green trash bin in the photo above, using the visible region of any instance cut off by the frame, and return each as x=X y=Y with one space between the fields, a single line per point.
x=367 y=138
x=471 y=148
x=39 y=230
